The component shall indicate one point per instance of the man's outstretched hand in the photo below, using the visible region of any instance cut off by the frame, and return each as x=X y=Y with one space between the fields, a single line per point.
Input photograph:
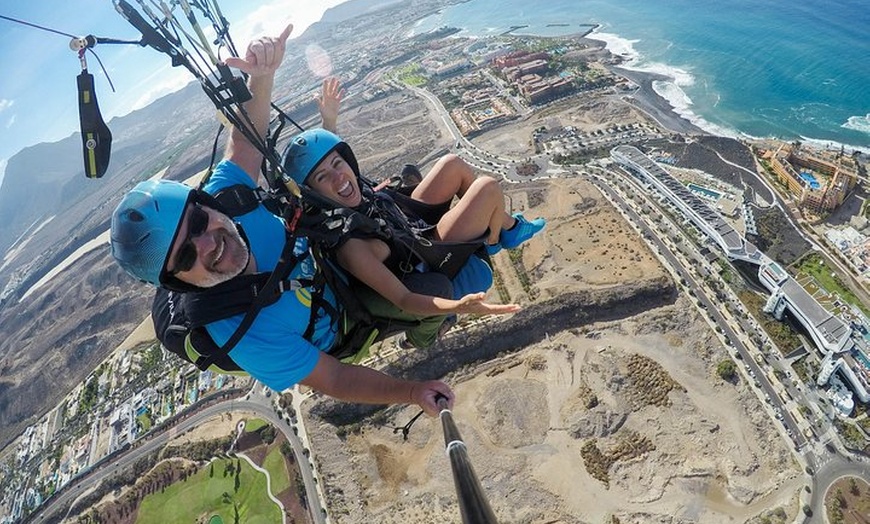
x=474 y=304
x=264 y=54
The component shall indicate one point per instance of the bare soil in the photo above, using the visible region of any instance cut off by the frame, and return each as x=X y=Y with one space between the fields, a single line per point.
x=674 y=442
x=854 y=503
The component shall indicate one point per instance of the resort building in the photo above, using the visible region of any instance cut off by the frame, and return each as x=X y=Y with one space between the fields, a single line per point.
x=843 y=340
x=529 y=68
x=480 y=115
x=819 y=181
x=529 y=73
x=538 y=89
x=516 y=58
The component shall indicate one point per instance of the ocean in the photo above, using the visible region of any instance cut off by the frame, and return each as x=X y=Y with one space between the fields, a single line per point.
x=796 y=70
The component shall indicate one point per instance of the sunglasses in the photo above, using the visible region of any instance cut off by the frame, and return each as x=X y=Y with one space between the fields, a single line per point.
x=197 y=223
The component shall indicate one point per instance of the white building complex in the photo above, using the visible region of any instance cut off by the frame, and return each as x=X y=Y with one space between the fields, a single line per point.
x=844 y=344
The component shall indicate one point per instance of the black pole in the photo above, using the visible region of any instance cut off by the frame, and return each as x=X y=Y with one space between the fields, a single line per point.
x=473 y=504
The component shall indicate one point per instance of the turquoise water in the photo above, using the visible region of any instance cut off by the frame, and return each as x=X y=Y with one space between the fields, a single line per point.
x=811 y=180
x=703 y=190
x=794 y=70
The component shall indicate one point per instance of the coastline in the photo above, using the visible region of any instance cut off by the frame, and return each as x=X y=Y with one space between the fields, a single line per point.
x=766 y=114
x=586 y=31
x=646 y=98
x=653 y=104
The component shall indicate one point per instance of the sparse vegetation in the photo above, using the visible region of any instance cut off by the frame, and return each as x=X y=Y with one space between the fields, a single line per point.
x=516 y=258
x=848 y=501
x=652 y=383
x=805 y=370
x=783 y=336
x=852 y=436
x=528 y=169
x=628 y=446
x=727 y=370
x=504 y=295
x=815 y=266
x=536 y=363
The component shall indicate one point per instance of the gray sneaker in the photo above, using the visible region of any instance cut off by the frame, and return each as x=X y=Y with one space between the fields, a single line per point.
x=403 y=342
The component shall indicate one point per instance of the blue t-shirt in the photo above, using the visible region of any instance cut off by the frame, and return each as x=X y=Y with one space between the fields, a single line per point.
x=273 y=350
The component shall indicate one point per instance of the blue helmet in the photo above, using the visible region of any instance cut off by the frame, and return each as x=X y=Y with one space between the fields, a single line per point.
x=308 y=148
x=145 y=224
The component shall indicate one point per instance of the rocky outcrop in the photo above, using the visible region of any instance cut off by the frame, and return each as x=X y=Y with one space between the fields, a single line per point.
x=597 y=424
x=528 y=327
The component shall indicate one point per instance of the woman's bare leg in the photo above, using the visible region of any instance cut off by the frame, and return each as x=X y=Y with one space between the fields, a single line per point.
x=479 y=209
x=449 y=177
x=480 y=206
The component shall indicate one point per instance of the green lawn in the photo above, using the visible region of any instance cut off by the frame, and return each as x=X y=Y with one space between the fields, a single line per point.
x=144 y=421
x=183 y=502
x=411 y=74
x=274 y=464
x=254 y=424
x=814 y=265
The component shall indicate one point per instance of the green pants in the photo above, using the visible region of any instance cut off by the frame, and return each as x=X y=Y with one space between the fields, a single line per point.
x=425 y=333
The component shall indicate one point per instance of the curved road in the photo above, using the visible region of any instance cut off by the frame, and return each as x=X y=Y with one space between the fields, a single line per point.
x=148 y=444
x=823 y=467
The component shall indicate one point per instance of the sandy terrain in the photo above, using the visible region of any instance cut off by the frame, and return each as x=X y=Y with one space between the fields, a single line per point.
x=214 y=427
x=712 y=455
x=703 y=450
x=716 y=457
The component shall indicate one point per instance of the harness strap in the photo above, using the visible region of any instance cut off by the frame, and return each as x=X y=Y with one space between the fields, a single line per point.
x=271 y=290
x=410 y=243
x=240 y=199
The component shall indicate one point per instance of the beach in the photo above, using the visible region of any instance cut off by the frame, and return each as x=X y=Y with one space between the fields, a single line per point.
x=653 y=104
x=741 y=73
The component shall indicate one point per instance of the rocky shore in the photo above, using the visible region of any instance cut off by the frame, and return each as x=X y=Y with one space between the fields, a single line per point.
x=653 y=104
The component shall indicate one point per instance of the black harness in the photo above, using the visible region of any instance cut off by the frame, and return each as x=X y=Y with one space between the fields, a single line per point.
x=406 y=226
x=180 y=316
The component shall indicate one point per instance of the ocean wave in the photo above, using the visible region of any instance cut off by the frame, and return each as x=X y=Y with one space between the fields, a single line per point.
x=671 y=89
x=678 y=78
x=617 y=45
x=682 y=105
x=634 y=60
x=833 y=145
x=858 y=123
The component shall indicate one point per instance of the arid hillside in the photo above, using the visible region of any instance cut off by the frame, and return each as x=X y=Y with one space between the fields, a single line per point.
x=600 y=399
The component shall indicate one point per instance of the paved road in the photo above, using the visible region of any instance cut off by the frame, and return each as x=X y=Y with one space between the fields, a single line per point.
x=824 y=467
x=123 y=461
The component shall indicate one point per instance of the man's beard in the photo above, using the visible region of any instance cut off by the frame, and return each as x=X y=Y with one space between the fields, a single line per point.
x=235 y=251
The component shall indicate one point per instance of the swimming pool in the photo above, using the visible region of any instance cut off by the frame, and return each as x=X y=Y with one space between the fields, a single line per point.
x=811 y=180
x=709 y=193
x=859 y=356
